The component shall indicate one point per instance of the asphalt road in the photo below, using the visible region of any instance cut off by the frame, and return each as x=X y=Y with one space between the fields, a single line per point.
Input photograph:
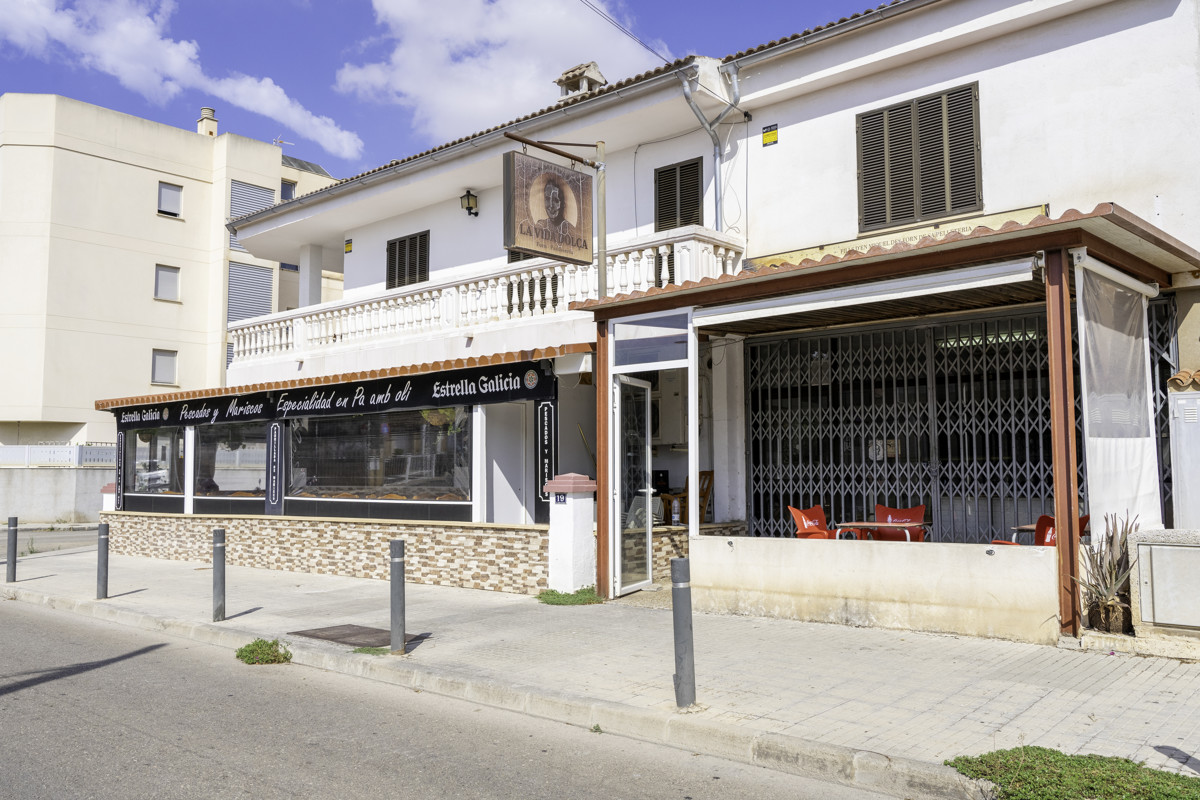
x=90 y=709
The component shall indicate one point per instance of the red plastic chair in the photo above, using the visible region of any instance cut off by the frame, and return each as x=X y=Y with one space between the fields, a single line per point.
x=1043 y=531
x=915 y=533
x=811 y=523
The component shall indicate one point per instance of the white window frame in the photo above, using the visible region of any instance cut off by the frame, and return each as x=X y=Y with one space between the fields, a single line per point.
x=159 y=294
x=170 y=199
x=161 y=380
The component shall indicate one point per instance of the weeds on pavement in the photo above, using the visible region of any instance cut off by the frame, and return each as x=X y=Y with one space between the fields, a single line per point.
x=260 y=651
x=1038 y=773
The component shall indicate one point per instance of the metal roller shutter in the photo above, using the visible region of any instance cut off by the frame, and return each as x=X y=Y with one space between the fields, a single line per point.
x=246 y=198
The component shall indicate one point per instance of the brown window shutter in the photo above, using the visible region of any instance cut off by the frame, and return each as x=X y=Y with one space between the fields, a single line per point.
x=691 y=202
x=666 y=198
x=678 y=195
x=919 y=160
x=408 y=260
x=872 y=170
x=901 y=167
x=962 y=123
x=931 y=147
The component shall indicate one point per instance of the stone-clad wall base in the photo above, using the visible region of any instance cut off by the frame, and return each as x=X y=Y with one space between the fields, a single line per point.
x=497 y=557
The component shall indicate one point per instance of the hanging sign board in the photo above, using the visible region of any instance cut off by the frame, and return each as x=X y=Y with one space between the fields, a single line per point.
x=547 y=209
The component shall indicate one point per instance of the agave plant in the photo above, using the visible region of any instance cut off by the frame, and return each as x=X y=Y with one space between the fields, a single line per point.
x=1107 y=567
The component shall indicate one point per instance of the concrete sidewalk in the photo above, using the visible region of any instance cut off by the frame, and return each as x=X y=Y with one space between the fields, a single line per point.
x=872 y=708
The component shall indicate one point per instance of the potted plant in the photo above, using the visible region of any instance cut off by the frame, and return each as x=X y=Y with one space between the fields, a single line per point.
x=1105 y=582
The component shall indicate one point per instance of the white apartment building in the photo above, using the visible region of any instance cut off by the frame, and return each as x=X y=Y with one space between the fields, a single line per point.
x=119 y=276
x=842 y=270
x=116 y=261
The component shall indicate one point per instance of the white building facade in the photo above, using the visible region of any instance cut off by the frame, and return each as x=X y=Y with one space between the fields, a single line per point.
x=839 y=273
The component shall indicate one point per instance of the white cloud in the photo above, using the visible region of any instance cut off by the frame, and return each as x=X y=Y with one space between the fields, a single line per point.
x=127 y=40
x=469 y=66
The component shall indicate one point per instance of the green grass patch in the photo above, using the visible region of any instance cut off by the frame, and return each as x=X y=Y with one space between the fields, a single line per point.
x=260 y=651
x=583 y=597
x=372 y=651
x=1038 y=773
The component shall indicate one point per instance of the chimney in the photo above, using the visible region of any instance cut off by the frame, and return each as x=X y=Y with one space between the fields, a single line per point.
x=581 y=79
x=207 y=124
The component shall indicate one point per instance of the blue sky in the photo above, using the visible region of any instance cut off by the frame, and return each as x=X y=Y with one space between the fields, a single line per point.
x=352 y=84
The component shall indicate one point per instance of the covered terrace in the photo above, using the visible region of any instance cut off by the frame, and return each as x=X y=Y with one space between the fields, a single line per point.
x=992 y=376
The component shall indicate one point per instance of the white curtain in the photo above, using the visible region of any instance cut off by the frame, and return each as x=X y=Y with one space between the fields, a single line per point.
x=1118 y=421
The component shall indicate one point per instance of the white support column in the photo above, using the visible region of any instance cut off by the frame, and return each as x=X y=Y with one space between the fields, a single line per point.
x=478 y=464
x=693 y=429
x=189 y=469
x=312 y=259
x=729 y=430
x=572 y=544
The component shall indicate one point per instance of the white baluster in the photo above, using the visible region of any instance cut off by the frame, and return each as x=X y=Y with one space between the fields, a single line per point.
x=559 y=281
x=538 y=285
x=526 y=309
x=503 y=287
x=492 y=301
x=641 y=263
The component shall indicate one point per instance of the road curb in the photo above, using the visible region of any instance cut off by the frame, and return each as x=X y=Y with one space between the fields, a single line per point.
x=861 y=769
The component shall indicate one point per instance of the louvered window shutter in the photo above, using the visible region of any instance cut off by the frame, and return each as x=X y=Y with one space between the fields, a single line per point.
x=246 y=198
x=408 y=260
x=249 y=295
x=919 y=160
x=678 y=195
x=666 y=198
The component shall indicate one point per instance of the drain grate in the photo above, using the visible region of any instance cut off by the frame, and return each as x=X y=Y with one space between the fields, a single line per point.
x=357 y=635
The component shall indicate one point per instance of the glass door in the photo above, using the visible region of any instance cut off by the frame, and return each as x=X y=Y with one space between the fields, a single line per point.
x=634 y=501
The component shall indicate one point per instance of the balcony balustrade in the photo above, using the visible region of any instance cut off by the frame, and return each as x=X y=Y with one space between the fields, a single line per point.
x=521 y=292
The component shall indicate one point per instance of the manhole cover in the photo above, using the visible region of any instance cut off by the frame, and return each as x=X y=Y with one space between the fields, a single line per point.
x=357 y=635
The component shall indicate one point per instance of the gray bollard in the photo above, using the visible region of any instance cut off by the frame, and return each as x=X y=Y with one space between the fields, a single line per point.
x=12 y=550
x=102 y=562
x=681 y=617
x=218 y=565
x=397 y=577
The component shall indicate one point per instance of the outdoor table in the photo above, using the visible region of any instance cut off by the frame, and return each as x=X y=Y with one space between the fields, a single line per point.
x=897 y=525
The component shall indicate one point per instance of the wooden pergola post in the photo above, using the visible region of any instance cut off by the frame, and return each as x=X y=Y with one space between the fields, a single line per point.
x=1062 y=437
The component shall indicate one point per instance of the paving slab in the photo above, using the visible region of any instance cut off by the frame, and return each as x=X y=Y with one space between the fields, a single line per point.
x=879 y=709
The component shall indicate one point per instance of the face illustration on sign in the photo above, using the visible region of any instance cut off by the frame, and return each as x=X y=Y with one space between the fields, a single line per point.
x=554 y=202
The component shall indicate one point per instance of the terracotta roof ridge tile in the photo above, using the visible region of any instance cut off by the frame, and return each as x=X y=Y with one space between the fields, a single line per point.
x=493 y=359
x=1105 y=209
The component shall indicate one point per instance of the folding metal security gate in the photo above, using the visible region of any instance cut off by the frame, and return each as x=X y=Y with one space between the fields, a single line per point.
x=954 y=416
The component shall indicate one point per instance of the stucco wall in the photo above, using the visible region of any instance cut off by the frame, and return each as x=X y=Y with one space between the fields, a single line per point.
x=475 y=556
x=977 y=590
x=51 y=495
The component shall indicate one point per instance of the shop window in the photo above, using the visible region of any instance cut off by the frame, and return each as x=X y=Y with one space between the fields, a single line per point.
x=678 y=199
x=170 y=199
x=166 y=283
x=162 y=367
x=231 y=460
x=919 y=160
x=402 y=455
x=408 y=260
x=154 y=461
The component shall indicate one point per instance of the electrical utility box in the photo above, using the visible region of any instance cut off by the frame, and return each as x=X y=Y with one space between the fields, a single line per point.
x=1185 y=458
